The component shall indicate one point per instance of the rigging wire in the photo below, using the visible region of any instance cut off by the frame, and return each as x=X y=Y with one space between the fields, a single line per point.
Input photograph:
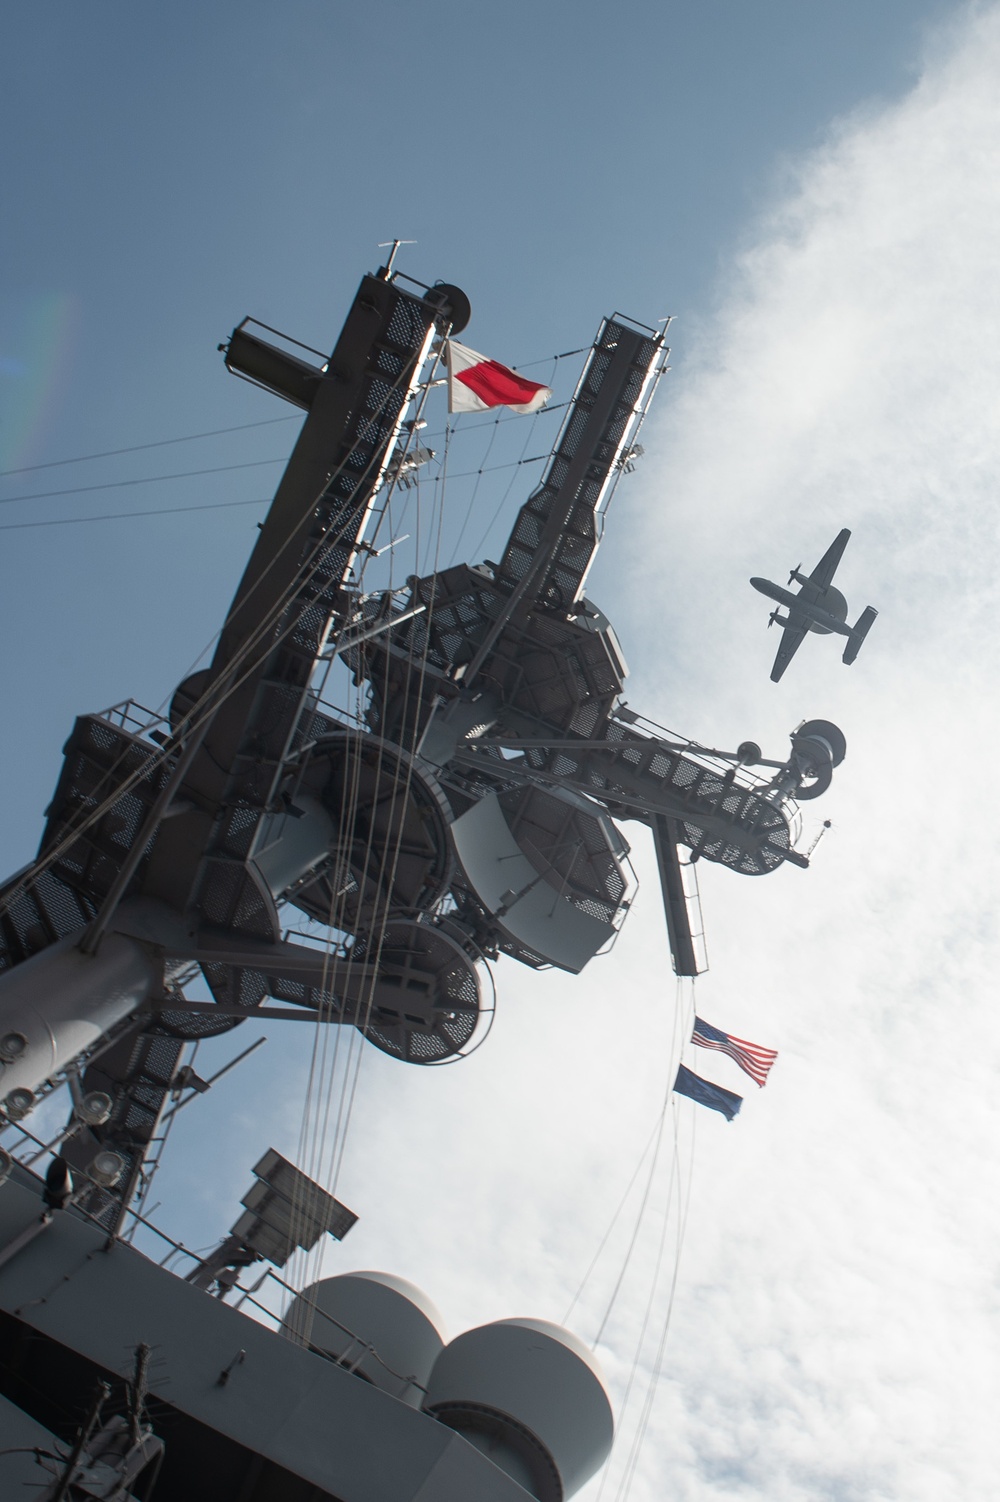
x=637 y=1444
x=246 y=650
x=529 y=435
x=648 y=1311
x=464 y=474
x=75 y=521
x=318 y=1103
x=683 y=1013
x=637 y=1227
x=116 y=516
x=136 y=448
x=185 y=474
x=318 y=1066
x=676 y=1046
x=472 y=427
x=320 y=543
x=382 y=884
x=672 y=1061
x=611 y=1225
x=319 y=1095
x=196 y=717
x=386 y=882
x=478 y=548
x=321 y=1032
x=475 y=489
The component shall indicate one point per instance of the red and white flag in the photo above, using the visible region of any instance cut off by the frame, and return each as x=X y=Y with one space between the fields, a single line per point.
x=476 y=383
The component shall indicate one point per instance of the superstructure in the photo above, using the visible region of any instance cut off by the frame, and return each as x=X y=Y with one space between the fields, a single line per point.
x=476 y=811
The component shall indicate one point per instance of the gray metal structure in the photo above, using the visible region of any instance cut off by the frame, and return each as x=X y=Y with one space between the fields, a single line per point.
x=229 y=1411
x=476 y=812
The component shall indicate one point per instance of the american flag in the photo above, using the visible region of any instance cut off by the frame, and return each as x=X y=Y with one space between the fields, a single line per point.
x=752 y=1059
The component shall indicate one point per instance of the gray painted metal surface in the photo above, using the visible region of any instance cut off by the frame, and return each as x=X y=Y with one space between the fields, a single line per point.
x=376 y=1324
x=536 y=1389
x=526 y=907
x=23 y=1472
x=62 y=1002
x=676 y=902
x=421 y=844
x=300 y=1413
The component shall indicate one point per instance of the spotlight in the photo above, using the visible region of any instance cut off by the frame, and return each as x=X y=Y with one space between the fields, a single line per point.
x=18 y=1103
x=107 y=1168
x=94 y=1109
x=12 y=1046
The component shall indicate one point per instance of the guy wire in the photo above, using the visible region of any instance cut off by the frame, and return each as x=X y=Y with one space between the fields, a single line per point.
x=384 y=882
x=203 y=707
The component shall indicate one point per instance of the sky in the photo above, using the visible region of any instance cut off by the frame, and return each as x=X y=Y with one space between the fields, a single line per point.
x=812 y=192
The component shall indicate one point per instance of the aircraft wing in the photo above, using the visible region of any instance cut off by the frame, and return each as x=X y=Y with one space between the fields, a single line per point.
x=827 y=565
x=792 y=638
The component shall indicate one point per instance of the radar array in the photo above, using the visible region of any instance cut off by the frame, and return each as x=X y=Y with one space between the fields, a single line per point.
x=475 y=811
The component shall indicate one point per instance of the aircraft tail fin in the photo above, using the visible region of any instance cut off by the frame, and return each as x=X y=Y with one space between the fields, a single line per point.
x=859 y=631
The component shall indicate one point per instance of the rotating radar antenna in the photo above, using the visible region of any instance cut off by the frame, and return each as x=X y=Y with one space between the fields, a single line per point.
x=472 y=806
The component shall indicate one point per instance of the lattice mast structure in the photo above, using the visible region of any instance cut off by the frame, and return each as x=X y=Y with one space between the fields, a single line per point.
x=472 y=814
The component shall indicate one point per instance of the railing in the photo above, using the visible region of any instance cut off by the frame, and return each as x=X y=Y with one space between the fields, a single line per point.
x=714 y=761
x=357 y=1349
x=134 y=717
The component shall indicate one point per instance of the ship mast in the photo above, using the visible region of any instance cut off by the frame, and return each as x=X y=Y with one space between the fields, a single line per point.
x=476 y=812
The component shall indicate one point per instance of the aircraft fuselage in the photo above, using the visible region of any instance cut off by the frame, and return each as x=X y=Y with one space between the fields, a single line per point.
x=820 y=610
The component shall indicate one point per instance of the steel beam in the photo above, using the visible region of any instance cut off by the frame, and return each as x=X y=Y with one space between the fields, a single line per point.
x=675 y=908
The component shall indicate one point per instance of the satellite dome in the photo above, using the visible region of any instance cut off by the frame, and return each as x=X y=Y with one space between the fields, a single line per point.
x=383 y=1328
x=531 y=1396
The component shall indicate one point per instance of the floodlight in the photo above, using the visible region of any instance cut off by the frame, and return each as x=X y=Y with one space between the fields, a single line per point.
x=12 y=1046
x=19 y=1103
x=94 y=1109
x=106 y=1168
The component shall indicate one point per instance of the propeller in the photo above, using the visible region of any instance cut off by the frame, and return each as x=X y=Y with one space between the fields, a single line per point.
x=772 y=618
x=796 y=570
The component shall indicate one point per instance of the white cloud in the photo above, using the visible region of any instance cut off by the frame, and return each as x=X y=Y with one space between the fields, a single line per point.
x=836 y=1322
x=835 y=1328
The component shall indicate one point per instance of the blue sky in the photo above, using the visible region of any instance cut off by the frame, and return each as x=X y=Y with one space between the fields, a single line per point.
x=168 y=171
x=173 y=168
x=811 y=190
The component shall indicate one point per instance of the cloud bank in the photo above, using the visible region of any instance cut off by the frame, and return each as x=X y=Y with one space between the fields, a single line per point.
x=835 y=1326
x=836 y=1331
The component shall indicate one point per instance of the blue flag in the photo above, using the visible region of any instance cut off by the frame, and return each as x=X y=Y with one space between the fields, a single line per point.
x=692 y=1085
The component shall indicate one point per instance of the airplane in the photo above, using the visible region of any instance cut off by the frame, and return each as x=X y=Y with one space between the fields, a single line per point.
x=816 y=607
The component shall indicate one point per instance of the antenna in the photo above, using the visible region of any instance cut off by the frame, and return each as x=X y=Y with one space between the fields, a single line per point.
x=285 y=1209
x=160 y=855
x=827 y=824
x=385 y=272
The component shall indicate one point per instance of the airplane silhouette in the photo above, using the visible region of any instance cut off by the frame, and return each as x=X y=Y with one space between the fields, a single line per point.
x=817 y=607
